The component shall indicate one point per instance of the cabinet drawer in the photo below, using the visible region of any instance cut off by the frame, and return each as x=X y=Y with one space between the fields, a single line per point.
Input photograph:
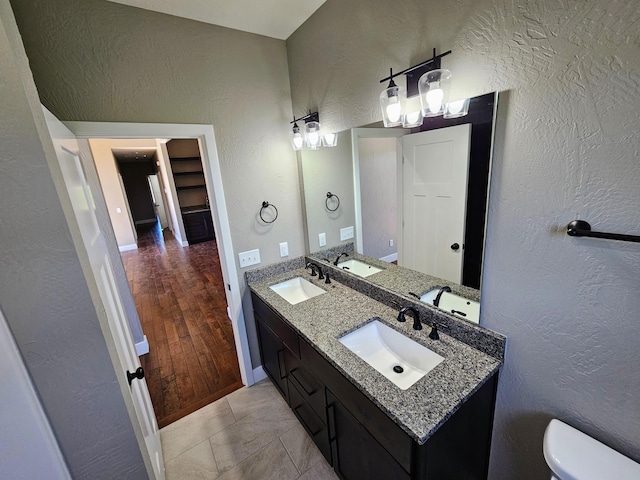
x=314 y=425
x=288 y=336
x=376 y=422
x=307 y=384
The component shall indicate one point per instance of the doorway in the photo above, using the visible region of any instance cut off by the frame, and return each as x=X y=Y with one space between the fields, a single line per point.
x=178 y=289
x=215 y=192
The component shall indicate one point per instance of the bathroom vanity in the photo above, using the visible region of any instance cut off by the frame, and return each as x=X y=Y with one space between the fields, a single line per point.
x=364 y=424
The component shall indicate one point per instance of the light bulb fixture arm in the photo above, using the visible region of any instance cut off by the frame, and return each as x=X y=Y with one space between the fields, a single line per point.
x=309 y=117
x=413 y=76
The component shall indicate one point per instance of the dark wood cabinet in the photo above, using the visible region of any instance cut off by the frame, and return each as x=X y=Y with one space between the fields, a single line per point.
x=198 y=226
x=354 y=435
x=357 y=454
x=272 y=356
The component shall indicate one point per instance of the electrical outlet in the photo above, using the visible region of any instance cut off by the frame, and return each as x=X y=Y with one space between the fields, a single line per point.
x=346 y=233
x=391 y=242
x=322 y=239
x=248 y=258
x=284 y=249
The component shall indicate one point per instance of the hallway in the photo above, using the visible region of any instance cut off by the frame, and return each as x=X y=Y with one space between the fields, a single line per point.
x=179 y=294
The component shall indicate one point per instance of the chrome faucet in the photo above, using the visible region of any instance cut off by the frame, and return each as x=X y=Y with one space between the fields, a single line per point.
x=339 y=257
x=315 y=268
x=416 y=317
x=436 y=301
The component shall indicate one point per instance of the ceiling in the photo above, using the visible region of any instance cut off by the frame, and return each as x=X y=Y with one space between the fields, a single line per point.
x=273 y=18
x=134 y=154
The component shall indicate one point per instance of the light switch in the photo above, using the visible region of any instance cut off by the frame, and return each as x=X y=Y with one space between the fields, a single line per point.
x=322 y=239
x=248 y=258
x=284 y=249
x=346 y=233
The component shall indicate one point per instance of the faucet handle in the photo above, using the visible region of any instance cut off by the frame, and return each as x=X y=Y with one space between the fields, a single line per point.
x=434 y=332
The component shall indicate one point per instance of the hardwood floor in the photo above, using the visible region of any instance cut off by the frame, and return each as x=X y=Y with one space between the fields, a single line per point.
x=179 y=294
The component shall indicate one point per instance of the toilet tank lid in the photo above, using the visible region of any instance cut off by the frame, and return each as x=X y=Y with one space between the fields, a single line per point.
x=573 y=455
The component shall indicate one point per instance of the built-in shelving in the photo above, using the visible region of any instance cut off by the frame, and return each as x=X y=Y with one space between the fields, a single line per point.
x=191 y=188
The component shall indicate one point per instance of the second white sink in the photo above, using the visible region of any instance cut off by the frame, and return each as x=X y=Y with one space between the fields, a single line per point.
x=297 y=290
x=359 y=268
x=395 y=356
x=455 y=304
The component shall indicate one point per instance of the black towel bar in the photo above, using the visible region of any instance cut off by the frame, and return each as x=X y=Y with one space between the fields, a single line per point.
x=580 y=228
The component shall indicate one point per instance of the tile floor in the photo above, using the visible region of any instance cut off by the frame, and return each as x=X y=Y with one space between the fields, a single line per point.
x=251 y=434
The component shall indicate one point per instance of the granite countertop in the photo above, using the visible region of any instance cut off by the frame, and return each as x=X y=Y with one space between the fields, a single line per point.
x=424 y=406
x=404 y=280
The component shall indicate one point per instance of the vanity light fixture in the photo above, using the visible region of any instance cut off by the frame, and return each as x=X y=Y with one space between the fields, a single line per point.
x=313 y=137
x=329 y=139
x=426 y=95
x=413 y=113
x=392 y=102
x=298 y=140
x=456 y=109
x=434 y=89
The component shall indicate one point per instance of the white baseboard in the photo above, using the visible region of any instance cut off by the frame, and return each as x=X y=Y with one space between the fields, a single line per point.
x=390 y=258
x=258 y=374
x=142 y=348
x=185 y=243
x=126 y=248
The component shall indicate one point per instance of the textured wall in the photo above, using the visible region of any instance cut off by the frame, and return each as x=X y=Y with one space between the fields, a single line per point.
x=100 y=61
x=111 y=186
x=328 y=170
x=43 y=291
x=566 y=147
x=378 y=192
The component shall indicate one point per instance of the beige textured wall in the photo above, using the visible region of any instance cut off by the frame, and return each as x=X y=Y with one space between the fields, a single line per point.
x=567 y=146
x=378 y=194
x=94 y=60
x=328 y=170
x=111 y=187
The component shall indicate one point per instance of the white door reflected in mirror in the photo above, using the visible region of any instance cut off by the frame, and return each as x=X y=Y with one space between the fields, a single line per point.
x=434 y=197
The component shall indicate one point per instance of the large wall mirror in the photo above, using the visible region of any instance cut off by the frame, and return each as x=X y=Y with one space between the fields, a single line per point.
x=417 y=196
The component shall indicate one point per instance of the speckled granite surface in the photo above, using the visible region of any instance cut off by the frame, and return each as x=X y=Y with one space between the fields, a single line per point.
x=403 y=280
x=386 y=287
x=419 y=410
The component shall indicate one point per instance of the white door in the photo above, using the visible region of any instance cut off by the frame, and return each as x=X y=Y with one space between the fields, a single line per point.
x=81 y=197
x=158 y=200
x=435 y=167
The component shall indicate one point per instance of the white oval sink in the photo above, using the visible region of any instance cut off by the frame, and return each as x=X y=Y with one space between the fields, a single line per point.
x=384 y=348
x=359 y=268
x=455 y=304
x=297 y=290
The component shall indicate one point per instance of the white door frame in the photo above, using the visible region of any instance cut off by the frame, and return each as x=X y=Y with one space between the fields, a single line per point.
x=215 y=191
x=356 y=135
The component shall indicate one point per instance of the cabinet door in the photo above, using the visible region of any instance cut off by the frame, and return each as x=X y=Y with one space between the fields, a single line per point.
x=312 y=423
x=272 y=356
x=356 y=454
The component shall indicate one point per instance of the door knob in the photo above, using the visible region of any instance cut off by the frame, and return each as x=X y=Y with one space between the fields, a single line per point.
x=455 y=247
x=139 y=374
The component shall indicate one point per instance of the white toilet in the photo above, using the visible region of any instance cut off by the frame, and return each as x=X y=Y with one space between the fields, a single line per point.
x=572 y=455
